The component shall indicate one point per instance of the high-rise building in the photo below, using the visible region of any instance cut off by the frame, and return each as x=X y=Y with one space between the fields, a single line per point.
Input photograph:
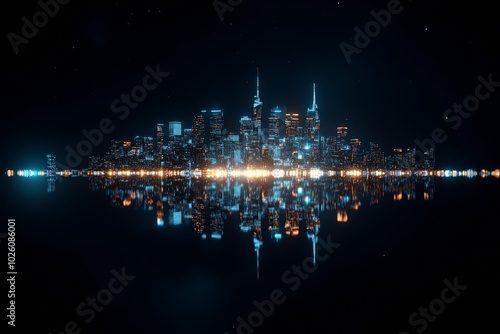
x=187 y=136
x=409 y=158
x=291 y=136
x=159 y=138
x=274 y=126
x=148 y=148
x=127 y=148
x=199 y=129
x=256 y=141
x=429 y=159
x=246 y=135
x=329 y=153
x=216 y=151
x=198 y=135
x=232 y=149
x=375 y=157
x=342 y=134
x=397 y=159
x=291 y=127
x=138 y=147
x=340 y=150
x=174 y=131
x=356 y=153
x=311 y=132
x=274 y=133
x=116 y=150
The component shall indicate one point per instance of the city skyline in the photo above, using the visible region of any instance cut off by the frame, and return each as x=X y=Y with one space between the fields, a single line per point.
x=270 y=122
x=281 y=139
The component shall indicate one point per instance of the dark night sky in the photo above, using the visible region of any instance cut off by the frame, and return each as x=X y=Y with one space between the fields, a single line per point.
x=394 y=91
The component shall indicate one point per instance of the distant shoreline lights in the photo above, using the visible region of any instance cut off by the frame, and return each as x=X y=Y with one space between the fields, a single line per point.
x=217 y=173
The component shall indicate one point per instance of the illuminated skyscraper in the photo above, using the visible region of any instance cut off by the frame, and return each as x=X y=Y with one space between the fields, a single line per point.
x=199 y=129
x=246 y=134
x=138 y=147
x=376 y=157
x=187 y=136
x=291 y=127
x=116 y=149
x=429 y=159
x=342 y=134
x=127 y=148
x=174 y=131
x=198 y=135
x=291 y=135
x=409 y=158
x=356 y=153
x=341 y=147
x=159 y=138
x=256 y=141
x=148 y=147
x=274 y=126
x=397 y=159
x=274 y=133
x=311 y=132
x=232 y=152
x=216 y=153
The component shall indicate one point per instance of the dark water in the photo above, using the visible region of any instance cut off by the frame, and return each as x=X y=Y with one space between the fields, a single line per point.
x=391 y=257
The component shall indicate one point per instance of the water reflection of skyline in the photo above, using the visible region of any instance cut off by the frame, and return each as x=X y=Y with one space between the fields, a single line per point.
x=265 y=210
x=285 y=208
x=280 y=204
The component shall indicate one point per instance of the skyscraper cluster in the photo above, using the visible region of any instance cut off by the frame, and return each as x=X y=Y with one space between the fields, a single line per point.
x=287 y=141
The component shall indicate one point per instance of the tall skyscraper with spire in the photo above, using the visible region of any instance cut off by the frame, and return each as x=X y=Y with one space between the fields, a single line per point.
x=256 y=142
x=312 y=149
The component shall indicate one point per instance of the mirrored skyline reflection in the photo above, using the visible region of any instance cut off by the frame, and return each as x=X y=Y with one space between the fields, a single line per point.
x=268 y=210
x=279 y=204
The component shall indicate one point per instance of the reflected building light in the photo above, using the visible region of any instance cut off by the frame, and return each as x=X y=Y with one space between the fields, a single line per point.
x=257 y=243
x=342 y=216
x=355 y=206
x=313 y=235
x=51 y=184
x=426 y=196
x=159 y=214
x=175 y=217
